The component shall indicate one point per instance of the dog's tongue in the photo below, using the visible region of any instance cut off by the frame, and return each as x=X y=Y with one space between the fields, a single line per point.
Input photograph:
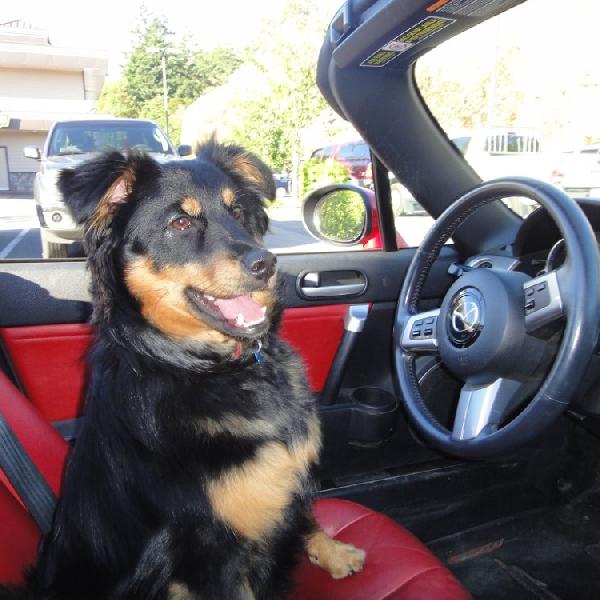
x=251 y=311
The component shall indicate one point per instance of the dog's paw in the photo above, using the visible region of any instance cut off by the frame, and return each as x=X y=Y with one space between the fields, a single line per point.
x=338 y=559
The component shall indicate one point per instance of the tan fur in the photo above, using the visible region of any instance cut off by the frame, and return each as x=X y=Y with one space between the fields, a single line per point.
x=337 y=558
x=192 y=206
x=180 y=591
x=161 y=294
x=244 y=165
x=106 y=209
x=237 y=425
x=252 y=497
x=246 y=590
x=228 y=196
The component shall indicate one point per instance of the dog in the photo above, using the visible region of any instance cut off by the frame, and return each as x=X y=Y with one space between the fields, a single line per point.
x=192 y=475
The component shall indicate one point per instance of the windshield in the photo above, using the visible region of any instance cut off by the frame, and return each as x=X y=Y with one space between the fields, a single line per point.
x=516 y=101
x=79 y=138
x=357 y=151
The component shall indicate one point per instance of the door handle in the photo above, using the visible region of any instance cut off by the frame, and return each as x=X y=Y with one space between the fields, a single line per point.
x=331 y=284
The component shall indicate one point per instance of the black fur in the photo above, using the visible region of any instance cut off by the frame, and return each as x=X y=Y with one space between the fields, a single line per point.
x=134 y=515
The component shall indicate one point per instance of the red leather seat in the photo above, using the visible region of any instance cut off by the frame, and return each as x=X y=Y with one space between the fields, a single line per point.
x=19 y=534
x=398 y=566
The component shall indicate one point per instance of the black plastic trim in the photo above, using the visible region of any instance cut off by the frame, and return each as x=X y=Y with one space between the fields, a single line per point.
x=43 y=293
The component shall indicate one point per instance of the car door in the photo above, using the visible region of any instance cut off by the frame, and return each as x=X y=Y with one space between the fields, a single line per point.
x=45 y=306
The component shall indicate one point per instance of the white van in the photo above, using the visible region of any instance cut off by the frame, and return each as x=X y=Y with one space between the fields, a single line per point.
x=505 y=152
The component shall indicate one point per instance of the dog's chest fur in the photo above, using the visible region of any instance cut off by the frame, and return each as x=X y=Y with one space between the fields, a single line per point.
x=249 y=436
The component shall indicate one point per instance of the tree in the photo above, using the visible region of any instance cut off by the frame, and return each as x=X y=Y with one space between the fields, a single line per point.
x=190 y=73
x=114 y=100
x=285 y=54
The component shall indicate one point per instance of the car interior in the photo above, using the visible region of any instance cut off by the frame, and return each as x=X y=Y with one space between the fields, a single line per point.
x=457 y=383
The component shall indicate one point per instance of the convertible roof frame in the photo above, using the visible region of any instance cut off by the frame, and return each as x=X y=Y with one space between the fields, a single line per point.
x=384 y=104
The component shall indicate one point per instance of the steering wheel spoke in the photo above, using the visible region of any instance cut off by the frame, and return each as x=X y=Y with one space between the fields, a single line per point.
x=420 y=332
x=481 y=408
x=543 y=301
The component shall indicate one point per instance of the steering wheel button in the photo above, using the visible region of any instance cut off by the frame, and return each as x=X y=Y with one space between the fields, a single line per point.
x=530 y=291
x=542 y=297
x=429 y=321
x=428 y=332
x=540 y=287
x=418 y=323
x=530 y=306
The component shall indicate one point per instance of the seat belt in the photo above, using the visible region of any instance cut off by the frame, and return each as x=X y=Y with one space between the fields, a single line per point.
x=31 y=486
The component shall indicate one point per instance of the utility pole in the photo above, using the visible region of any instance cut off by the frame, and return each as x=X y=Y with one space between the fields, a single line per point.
x=163 y=60
x=165 y=90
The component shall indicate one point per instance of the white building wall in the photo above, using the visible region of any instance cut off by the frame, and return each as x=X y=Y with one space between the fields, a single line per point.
x=39 y=84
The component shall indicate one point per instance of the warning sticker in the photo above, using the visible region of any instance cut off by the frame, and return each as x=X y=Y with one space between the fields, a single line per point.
x=470 y=8
x=406 y=40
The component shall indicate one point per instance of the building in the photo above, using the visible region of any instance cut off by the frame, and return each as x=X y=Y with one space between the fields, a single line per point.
x=39 y=84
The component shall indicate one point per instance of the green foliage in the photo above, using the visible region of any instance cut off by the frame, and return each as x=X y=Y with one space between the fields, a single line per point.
x=190 y=73
x=285 y=53
x=341 y=216
x=114 y=100
x=317 y=173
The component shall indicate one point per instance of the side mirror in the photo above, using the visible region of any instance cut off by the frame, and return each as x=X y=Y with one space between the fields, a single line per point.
x=184 y=150
x=32 y=152
x=341 y=214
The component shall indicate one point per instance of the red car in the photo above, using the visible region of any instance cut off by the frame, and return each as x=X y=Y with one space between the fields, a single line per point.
x=355 y=155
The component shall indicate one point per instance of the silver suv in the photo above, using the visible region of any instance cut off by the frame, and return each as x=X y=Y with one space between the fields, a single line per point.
x=72 y=142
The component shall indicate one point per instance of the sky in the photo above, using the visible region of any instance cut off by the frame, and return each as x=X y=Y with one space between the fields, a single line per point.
x=107 y=24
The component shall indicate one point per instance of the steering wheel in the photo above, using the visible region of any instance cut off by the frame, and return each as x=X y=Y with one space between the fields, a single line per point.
x=489 y=330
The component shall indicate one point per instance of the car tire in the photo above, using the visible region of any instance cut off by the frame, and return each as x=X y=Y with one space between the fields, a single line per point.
x=53 y=249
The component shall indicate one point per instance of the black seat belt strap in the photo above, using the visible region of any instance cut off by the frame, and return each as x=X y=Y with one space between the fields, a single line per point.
x=24 y=476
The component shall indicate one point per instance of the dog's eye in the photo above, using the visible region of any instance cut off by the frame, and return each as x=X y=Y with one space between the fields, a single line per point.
x=236 y=212
x=181 y=223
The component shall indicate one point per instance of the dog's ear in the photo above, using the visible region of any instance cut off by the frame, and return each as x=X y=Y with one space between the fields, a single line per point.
x=243 y=167
x=95 y=191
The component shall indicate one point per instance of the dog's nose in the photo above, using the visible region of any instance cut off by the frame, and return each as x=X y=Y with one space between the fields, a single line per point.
x=260 y=263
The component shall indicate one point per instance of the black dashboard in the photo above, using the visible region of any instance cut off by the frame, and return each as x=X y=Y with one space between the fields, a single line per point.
x=539 y=240
x=538 y=245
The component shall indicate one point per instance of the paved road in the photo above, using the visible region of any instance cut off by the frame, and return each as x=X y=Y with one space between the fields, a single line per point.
x=20 y=237
x=19 y=229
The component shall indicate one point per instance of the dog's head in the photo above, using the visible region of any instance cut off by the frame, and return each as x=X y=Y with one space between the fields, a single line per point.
x=180 y=243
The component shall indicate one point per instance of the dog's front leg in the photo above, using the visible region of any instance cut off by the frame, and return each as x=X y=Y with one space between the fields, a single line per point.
x=337 y=558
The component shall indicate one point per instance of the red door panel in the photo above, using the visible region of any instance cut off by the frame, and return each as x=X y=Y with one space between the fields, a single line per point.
x=315 y=333
x=49 y=360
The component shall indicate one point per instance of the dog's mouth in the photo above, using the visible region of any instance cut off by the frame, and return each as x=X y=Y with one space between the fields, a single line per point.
x=238 y=316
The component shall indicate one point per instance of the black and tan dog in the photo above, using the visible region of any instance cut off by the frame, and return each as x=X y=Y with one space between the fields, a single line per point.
x=192 y=475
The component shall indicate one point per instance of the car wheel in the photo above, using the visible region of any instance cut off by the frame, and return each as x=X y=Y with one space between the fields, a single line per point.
x=53 y=249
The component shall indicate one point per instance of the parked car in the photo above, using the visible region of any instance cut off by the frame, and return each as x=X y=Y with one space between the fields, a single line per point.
x=355 y=155
x=578 y=173
x=72 y=142
x=502 y=151
x=282 y=183
x=403 y=202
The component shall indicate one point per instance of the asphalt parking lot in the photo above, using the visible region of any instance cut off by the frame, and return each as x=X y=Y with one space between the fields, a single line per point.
x=20 y=236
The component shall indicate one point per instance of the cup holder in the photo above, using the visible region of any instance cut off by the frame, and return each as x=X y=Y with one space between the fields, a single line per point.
x=373 y=416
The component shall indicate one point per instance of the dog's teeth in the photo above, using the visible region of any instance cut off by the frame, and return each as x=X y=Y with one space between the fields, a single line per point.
x=211 y=298
x=239 y=320
x=264 y=310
